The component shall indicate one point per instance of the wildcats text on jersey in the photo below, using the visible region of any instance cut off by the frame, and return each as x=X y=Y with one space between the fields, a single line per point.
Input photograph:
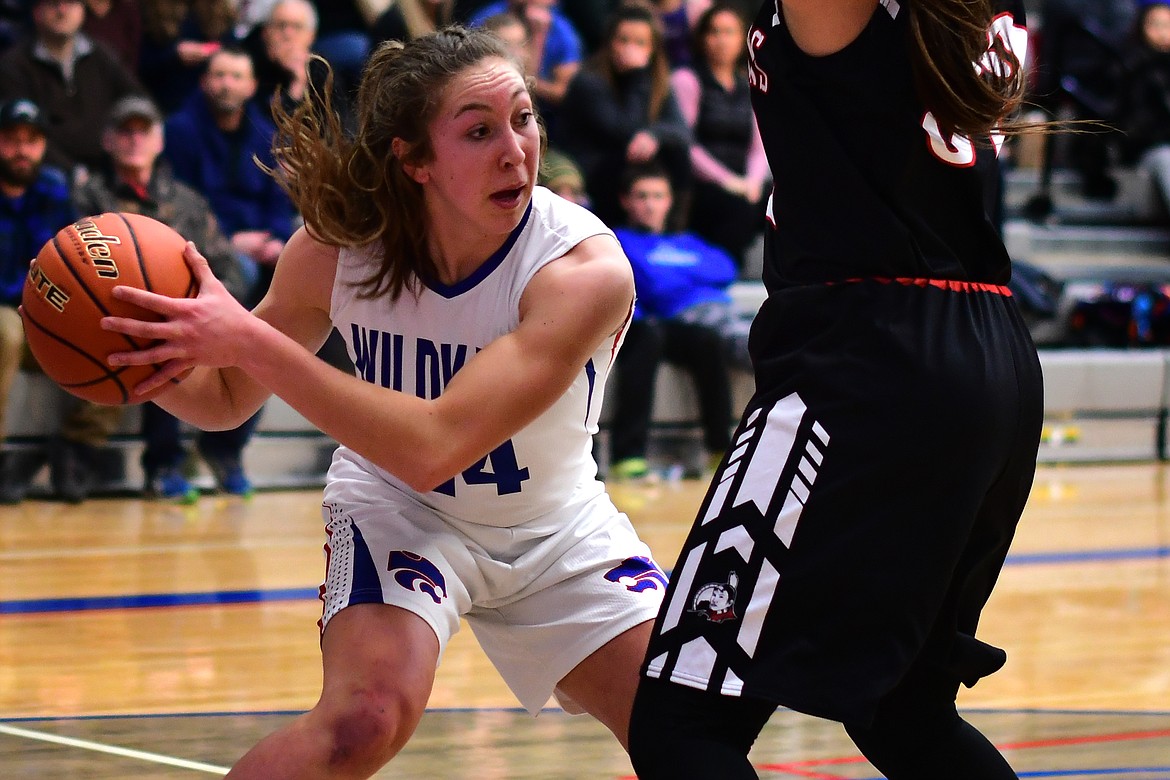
x=380 y=358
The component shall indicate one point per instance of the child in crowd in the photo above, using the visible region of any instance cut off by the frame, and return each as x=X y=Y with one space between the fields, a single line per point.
x=684 y=314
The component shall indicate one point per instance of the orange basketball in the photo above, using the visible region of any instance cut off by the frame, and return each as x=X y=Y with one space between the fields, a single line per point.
x=69 y=289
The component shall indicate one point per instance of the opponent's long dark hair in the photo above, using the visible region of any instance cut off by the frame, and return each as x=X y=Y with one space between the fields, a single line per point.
x=948 y=36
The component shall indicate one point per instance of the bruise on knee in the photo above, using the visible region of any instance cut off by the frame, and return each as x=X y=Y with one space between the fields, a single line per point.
x=371 y=730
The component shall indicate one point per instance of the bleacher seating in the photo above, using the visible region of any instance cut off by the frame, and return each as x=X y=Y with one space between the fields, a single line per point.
x=1100 y=405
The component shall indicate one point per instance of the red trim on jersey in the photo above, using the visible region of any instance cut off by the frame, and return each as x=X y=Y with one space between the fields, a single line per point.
x=321 y=589
x=617 y=336
x=943 y=284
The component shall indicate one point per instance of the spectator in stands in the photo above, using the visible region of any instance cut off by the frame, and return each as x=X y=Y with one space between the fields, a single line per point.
x=407 y=19
x=512 y=30
x=281 y=49
x=343 y=38
x=679 y=19
x=136 y=180
x=561 y=175
x=555 y=52
x=73 y=79
x=588 y=19
x=620 y=109
x=1145 y=111
x=12 y=18
x=683 y=315
x=118 y=24
x=1078 y=76
x=727 y=154
x=34 y=205
x=180 y=37
x=211 y=143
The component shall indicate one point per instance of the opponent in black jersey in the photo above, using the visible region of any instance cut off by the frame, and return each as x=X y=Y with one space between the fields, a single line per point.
x=856 y=528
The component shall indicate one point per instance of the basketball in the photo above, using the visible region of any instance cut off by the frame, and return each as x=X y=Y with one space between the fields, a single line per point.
x=69 y=289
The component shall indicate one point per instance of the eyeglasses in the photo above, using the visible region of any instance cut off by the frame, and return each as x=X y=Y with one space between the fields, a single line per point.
x=286 y=24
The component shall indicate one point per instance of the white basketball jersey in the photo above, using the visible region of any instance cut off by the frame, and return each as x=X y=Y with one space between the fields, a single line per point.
x=416 y=346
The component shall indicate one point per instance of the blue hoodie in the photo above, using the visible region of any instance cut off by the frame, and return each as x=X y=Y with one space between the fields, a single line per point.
x=675 y=271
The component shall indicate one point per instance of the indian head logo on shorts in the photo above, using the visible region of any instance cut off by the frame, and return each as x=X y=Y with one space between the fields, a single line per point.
x=637 y=574
x=716 y=600
x=416 y=573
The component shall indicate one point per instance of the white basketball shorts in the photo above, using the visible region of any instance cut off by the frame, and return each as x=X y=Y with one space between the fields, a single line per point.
x=540 y=597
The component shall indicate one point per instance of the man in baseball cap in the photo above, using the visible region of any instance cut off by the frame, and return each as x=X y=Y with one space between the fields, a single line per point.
x=34 y=204
x=133 y=107
x=15 y=113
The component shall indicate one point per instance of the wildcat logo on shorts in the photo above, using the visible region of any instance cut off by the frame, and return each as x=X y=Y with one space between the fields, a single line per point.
x=637 y=574
x=716 y=600
x=416 y=573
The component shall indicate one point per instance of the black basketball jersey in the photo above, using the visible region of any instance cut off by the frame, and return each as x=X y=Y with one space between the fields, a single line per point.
x=866 y=185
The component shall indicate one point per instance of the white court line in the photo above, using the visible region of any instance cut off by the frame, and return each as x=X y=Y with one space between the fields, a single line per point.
x=112 y=750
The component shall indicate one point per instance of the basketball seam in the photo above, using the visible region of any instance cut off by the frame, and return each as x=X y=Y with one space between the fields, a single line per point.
x=109 y=374
x=146 y=285
x=81 y=280
x=143 y=269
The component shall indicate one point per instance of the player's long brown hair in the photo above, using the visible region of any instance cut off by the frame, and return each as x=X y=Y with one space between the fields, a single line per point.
x=948 y=36
x=353 y=191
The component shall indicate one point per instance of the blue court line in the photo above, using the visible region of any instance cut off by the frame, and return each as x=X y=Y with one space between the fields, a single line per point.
x=147 y=600
x=1082 y=556
x=1113 y=772
x=1117 y=772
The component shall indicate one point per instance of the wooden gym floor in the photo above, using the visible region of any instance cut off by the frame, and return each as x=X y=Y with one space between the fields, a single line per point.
x=148 y=640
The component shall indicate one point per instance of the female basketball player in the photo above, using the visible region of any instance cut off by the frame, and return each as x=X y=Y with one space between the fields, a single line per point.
x=851 y=538
x=482 y=314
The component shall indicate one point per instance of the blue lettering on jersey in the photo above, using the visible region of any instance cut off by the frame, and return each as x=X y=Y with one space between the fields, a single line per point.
x=378 y=359
x=377 y=356
x=435 y=364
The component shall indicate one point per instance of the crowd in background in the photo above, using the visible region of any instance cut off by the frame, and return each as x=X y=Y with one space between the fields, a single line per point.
x=160 y=106
x=622 y=86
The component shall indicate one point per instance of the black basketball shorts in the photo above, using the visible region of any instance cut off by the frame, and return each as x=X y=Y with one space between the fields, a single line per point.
x=858 y=523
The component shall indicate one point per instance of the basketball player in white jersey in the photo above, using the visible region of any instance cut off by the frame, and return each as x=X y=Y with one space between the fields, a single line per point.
x=482 y=314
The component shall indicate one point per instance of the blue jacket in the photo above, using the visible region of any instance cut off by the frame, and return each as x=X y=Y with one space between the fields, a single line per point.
x=675 y=271
x=219 y=165
x=26 y=223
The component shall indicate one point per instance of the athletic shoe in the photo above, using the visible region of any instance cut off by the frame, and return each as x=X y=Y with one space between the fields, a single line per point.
x=170 y=484
x=629 y=469
x=229 y=474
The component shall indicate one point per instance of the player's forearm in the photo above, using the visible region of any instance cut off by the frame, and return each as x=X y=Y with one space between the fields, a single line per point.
x=401 y=433
x=214 y=399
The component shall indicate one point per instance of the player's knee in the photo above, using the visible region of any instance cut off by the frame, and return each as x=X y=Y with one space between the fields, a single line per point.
x=369 y=729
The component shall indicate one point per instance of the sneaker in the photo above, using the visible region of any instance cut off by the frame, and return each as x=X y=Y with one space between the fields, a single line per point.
x=229 y=474
x=170 y=484
x=71 y=470
x=629 y=469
